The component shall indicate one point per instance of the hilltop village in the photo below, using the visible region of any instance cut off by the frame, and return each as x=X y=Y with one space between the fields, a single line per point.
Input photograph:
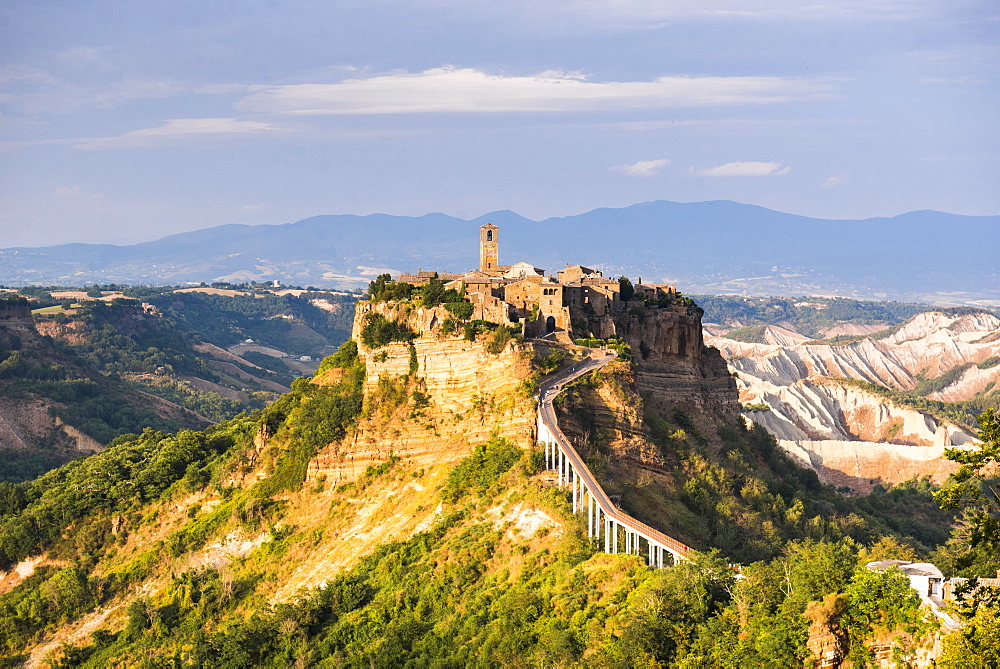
x=577 y=301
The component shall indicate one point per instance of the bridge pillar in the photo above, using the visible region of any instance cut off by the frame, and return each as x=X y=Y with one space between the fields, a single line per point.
x=573 y=482
x=590 y=514
x=614 y=538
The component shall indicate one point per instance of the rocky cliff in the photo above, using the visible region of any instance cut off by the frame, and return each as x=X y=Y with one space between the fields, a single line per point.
x=432 y=399
x=16 y=315
x=672 y=363
x=925 y=347
x=54 y=406
x=26 y=421
x=471 y=394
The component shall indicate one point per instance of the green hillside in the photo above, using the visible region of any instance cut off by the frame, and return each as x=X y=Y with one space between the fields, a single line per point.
x=501 y=574
x=98 y=362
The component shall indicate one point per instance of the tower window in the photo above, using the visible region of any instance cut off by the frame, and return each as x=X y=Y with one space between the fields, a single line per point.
x=489 y=235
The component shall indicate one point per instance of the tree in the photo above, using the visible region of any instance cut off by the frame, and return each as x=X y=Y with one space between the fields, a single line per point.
x=377 y=287
x=625 y=288
x=976 y=488
x=975 y=485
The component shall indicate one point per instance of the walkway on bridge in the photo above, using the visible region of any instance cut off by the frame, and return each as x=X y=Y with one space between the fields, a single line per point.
x=605 y=521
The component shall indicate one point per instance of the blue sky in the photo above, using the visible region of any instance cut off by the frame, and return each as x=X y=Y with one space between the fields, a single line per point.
x=127 y=121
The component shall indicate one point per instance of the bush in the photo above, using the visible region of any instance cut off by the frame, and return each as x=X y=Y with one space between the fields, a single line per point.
x=499 y=339
x=551 y=362
x=379 y=331
x=460 y=310
x=478 y=472
x=477 y=327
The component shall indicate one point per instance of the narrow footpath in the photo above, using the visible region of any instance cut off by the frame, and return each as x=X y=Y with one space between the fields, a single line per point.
x=587 y=492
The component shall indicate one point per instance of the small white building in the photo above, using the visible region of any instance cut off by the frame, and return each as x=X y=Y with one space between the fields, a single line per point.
x=523 y=270
x=924 y=577
x=927 y=580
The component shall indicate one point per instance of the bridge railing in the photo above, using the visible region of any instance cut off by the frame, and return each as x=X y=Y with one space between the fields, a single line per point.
x=605 y=521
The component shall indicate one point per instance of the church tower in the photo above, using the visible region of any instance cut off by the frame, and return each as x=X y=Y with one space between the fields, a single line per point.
x=489 y=251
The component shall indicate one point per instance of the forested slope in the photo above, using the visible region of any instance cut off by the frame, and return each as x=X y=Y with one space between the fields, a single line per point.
x=112 y=362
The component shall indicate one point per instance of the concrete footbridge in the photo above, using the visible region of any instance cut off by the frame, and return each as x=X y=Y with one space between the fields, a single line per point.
x=619 y=531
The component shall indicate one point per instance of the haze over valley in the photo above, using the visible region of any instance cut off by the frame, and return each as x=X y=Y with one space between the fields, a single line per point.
x=706 y=247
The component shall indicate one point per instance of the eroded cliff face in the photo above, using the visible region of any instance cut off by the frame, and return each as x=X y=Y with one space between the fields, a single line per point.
x=926 y=346
x=26 y=422
x=672 y=364
x=473 y=394
x=434 y=399
x=853 y=437
x=425 y=407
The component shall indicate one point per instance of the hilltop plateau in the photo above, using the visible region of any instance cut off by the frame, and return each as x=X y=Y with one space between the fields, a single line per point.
x=394 y=509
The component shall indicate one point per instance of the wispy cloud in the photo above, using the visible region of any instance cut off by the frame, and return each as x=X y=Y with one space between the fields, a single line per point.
x=223 y=89
x=74 y=193
x=642 y=168
x=10 y=74
x=46 y=95
x=469 y=90
x=172 y=129
x=833 y=181
x=33 y=91
x=745 y=169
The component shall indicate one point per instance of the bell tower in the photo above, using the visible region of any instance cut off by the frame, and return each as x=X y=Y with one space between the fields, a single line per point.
x=489 y=250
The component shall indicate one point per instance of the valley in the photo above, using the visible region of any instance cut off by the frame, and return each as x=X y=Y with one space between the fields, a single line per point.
x=87 y=366
x=401 y=483
x=872 y=408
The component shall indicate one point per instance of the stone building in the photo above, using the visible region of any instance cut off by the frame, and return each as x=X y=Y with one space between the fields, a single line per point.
x=489 y=248
x=424 y=276
x=577 y=302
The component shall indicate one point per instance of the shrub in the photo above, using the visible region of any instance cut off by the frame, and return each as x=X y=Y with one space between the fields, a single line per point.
x=499 y=339
x=478 y=472
x=992 y=361
x=379 y=331
x=460 y=310
x=477 y=327
x=551 y=362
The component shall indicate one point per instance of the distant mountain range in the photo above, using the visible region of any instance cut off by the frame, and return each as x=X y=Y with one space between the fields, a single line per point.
x=706 y=247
